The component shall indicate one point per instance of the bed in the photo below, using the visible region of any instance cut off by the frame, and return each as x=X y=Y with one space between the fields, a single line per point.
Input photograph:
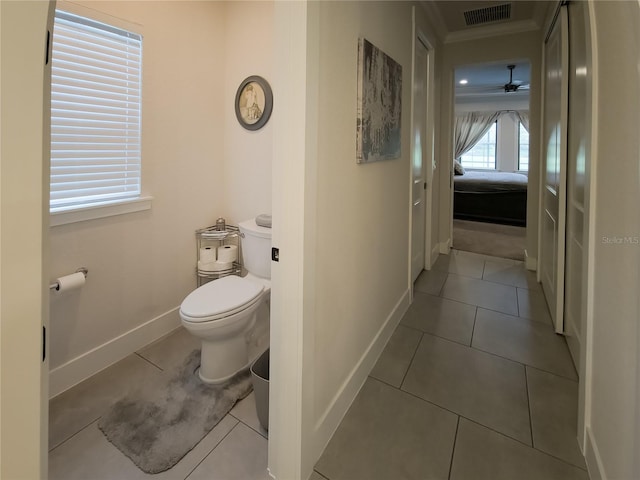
x=496 y=197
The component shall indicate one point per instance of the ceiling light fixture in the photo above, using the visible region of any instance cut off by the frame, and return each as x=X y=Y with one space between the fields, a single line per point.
x=463 y=82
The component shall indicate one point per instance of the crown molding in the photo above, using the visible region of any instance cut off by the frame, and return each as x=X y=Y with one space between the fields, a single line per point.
x=505 y=28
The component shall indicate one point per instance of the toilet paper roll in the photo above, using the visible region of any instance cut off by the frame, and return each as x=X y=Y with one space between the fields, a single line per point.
x=207 y=254
x=227 y=253
x=70 y=282
x=206 y=266
x=220 y=266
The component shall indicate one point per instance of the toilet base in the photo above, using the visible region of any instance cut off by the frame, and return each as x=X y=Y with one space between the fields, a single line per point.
x=222 y=359
x=218 y=381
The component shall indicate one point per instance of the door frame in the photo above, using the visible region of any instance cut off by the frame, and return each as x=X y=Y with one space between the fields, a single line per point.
x=428 y=159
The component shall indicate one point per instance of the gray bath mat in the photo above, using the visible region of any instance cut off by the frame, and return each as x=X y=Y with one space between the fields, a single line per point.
x=158 y=425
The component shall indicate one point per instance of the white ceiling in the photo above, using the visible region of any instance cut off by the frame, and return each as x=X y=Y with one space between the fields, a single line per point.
x=490 y=75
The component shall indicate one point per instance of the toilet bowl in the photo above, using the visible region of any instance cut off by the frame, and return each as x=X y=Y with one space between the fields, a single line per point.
x=223 y=312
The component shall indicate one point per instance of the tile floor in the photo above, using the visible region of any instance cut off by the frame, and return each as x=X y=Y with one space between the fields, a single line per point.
x=236 y=449
x=473 y=384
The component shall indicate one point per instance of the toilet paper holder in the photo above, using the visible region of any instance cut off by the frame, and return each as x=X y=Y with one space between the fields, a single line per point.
x=56 y=285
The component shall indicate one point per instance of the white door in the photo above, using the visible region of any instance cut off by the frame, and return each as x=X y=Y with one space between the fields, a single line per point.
x=418 y=180
x=553 y=215
x=24 y=268
x=578 y=166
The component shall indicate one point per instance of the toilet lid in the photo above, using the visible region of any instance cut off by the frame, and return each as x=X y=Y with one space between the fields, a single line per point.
x=220 y=296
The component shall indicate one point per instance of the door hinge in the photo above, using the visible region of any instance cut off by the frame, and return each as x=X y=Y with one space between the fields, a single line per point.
x=44 y=343
x=48 y=51
x=425 y=186
x=275 y=254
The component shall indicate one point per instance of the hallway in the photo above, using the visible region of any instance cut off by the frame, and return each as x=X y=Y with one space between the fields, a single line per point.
x=474 y=384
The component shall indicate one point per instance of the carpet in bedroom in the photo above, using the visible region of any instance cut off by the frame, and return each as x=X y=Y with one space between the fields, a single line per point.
x=504 y=241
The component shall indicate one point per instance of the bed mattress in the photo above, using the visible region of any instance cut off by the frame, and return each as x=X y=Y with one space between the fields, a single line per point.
x=490 y=182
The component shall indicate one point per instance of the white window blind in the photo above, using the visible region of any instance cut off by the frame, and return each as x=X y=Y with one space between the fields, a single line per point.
x=95 y=113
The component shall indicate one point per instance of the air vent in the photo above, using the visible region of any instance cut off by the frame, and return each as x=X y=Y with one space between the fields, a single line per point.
x=489 y=14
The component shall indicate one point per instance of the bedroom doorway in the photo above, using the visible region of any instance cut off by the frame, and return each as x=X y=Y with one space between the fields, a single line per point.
x=491 y=158
x=418 y=177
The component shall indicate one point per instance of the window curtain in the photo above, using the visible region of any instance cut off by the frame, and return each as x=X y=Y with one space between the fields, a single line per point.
x=470 y=128
x=523 y=117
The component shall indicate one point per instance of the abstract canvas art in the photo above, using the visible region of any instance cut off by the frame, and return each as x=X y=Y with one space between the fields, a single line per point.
x=379 y=105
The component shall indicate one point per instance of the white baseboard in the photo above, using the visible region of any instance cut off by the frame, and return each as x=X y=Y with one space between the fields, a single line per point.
x=82 y=367
x=592 y=458
x=530 y=263
x=445 y=247
x=333 y=415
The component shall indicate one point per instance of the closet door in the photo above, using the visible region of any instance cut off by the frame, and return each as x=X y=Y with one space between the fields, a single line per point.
x=578 y=167
x=553 y=214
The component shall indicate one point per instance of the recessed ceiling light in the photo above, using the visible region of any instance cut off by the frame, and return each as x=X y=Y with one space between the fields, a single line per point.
x=463 y=82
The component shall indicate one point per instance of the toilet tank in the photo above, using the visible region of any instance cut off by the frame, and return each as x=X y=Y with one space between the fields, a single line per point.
x=256 y=248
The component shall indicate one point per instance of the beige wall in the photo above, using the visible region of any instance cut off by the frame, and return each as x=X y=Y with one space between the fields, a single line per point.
x=505 y=47
x=613 y=418
x=362 y=210
x=247 y=154
x=198 y=164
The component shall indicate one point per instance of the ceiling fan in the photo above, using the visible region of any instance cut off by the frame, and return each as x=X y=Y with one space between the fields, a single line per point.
x=514 y=86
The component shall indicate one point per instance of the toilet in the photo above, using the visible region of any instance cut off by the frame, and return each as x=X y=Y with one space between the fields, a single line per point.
x=223 y=313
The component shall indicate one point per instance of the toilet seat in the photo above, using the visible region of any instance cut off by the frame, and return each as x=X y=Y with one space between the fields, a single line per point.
x=220 y=298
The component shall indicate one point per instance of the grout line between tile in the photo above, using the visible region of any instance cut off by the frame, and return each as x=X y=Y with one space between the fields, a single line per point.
x=520 y=363
x=211 y=451
x=526 y=386
x=74 y=434
x=149 y=362
x=528 y=446
x=247 y=425
x=499 y=432
x=453 y=450
x=473 y=327
x=326 y=478
x=446 y=277
x=411 y=362
x=575 y=380
x=467 y=418
x=465 y=276
x=475 y=348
